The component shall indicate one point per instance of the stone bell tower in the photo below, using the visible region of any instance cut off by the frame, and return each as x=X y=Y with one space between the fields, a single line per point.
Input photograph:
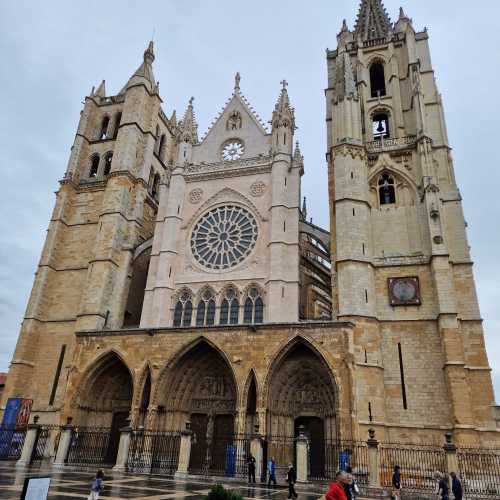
x=402 y=270
x=105 y=207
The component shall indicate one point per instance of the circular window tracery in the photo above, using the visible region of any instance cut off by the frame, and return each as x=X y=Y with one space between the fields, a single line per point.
x=224 y=237
x=233 y=150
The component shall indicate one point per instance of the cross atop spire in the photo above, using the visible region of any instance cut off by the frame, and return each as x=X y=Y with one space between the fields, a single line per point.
x=284 y=84
x=373 y=21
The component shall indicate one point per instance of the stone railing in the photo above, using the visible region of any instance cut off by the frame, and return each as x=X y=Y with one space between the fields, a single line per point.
x=391 y=144
x=203 y=167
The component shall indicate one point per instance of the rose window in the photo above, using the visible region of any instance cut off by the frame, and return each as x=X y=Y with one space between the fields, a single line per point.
x=233 y=150
x=224 y=237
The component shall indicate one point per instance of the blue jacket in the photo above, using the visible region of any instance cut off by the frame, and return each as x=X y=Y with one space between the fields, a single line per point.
x=271 y=467
x=97 y=484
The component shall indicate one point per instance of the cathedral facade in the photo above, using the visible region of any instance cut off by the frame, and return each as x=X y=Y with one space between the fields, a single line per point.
x=181 y=281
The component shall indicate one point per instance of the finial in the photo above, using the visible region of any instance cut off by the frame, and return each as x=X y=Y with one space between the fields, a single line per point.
x=344 y=26
x=237 y=79
x=149 y=55
x=284 y=84
x=191 y=101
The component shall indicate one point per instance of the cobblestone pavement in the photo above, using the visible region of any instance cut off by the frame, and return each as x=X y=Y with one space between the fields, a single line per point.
x=73 y=484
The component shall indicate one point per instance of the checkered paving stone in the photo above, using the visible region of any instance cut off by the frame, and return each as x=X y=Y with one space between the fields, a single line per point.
x=74 y=484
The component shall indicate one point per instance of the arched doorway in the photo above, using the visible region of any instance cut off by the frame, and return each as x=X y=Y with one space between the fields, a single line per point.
x=301 y=397
x=105 y=400
x=200 y=387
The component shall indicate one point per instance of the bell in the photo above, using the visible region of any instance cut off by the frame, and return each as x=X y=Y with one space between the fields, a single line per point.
x=380 y=127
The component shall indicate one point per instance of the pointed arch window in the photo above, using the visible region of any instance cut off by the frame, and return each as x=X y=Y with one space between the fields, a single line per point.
x=377 y=79
x=253 y=311
x=183 y=310
x=386 y=190
x=205 y=311
x=94 y=166
x=380 y=125
x=104 y=127
x=230 y=308
x=107 y=163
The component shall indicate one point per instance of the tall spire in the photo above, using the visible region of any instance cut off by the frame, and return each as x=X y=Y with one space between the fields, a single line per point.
x=144 y=73
x=188 y=126
x=373 y=21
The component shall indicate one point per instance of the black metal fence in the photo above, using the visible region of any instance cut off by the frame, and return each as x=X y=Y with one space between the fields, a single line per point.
x=341 y=455
x=11 y=443
x=46 y=444
x=221 y=455
x=154 y=452
x=479 y=470
x=91 y=446
x=418 y=465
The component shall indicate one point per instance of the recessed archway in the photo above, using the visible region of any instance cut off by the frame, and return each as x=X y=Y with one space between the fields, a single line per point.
x=302 y=397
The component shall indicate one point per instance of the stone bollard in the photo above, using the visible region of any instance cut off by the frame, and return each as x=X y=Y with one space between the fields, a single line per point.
x=302 y=445
x=257 y=452
x=30 y=442
x=184 y=452
x=373 y=460
x=451 y=455
x=64 y=444
x=123 y=447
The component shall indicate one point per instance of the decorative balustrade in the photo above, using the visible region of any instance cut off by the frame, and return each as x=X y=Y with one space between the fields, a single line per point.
x=391 y=144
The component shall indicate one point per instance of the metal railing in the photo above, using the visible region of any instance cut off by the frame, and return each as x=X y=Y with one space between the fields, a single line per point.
x=153 y=452
x=11 y=442
x=44 y=447
x=418 y=465
x=479 y=470
x=91 y=446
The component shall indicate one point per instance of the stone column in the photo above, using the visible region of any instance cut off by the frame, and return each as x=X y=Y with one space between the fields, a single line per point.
x=302 y=446
x=451 y=455
x=373 y=460
x=184 y=452
x=64 y=444
x=257 y=451
x=30 y=442
x=123 y=447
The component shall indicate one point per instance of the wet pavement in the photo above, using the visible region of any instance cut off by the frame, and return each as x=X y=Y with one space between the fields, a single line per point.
x=73 y=484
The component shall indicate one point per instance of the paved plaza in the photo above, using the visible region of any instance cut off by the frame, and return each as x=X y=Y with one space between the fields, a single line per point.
x=73 y=484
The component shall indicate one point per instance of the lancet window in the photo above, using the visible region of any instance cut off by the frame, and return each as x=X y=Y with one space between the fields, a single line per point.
x=386 y=190
x=205 y=311
x=377 y=80
x=94 y=166
x=229 y=308
x=253 y=309
x=183 y=310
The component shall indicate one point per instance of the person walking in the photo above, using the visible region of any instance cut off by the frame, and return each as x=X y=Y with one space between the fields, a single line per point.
x=251 y=469
x=396 y=483
x=291 y=478
x=352 y=489
x=97 y=485
x=271 y=470
x=336 y=490
x=444 y=487
x=456 y=486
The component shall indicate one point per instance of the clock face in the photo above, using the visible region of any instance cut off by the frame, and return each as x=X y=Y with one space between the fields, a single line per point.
x=404 y=291
x=233 y=150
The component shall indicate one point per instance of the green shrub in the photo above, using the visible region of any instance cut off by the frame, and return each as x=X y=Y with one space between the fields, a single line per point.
x=218 y=492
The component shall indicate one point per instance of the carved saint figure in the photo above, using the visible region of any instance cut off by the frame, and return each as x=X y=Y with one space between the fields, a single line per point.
x=234 y=121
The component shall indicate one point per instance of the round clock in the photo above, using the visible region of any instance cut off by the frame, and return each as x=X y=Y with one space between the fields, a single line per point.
x=233 y=150
x=405 y=290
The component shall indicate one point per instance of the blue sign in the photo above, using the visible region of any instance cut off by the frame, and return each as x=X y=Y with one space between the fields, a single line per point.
x=344 y=460
x=231 y=460
x=11 y=410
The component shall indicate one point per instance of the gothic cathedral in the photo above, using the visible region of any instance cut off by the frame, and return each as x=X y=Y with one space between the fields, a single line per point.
x=180 y=279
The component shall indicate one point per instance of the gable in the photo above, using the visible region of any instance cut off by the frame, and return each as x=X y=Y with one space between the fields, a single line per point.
x=237 y=121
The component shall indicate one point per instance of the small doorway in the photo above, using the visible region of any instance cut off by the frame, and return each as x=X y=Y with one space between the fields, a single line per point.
x=314 y=429
x=120 y=420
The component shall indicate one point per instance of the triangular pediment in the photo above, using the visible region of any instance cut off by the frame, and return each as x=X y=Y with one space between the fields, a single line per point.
x=237 y=121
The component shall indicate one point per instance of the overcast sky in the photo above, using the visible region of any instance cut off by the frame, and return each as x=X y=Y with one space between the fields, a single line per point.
x=54 y=52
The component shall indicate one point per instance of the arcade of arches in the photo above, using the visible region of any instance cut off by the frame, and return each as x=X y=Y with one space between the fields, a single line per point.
x=205 y=386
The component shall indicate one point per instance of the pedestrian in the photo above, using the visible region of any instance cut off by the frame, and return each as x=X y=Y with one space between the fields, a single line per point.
x=251 y=469
x=271 y=470
x=396 y=483
x=456 y=486
x=291 y=478
x=352 y=490
x=336 y=491
x=97 y=485
x=444 y=487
